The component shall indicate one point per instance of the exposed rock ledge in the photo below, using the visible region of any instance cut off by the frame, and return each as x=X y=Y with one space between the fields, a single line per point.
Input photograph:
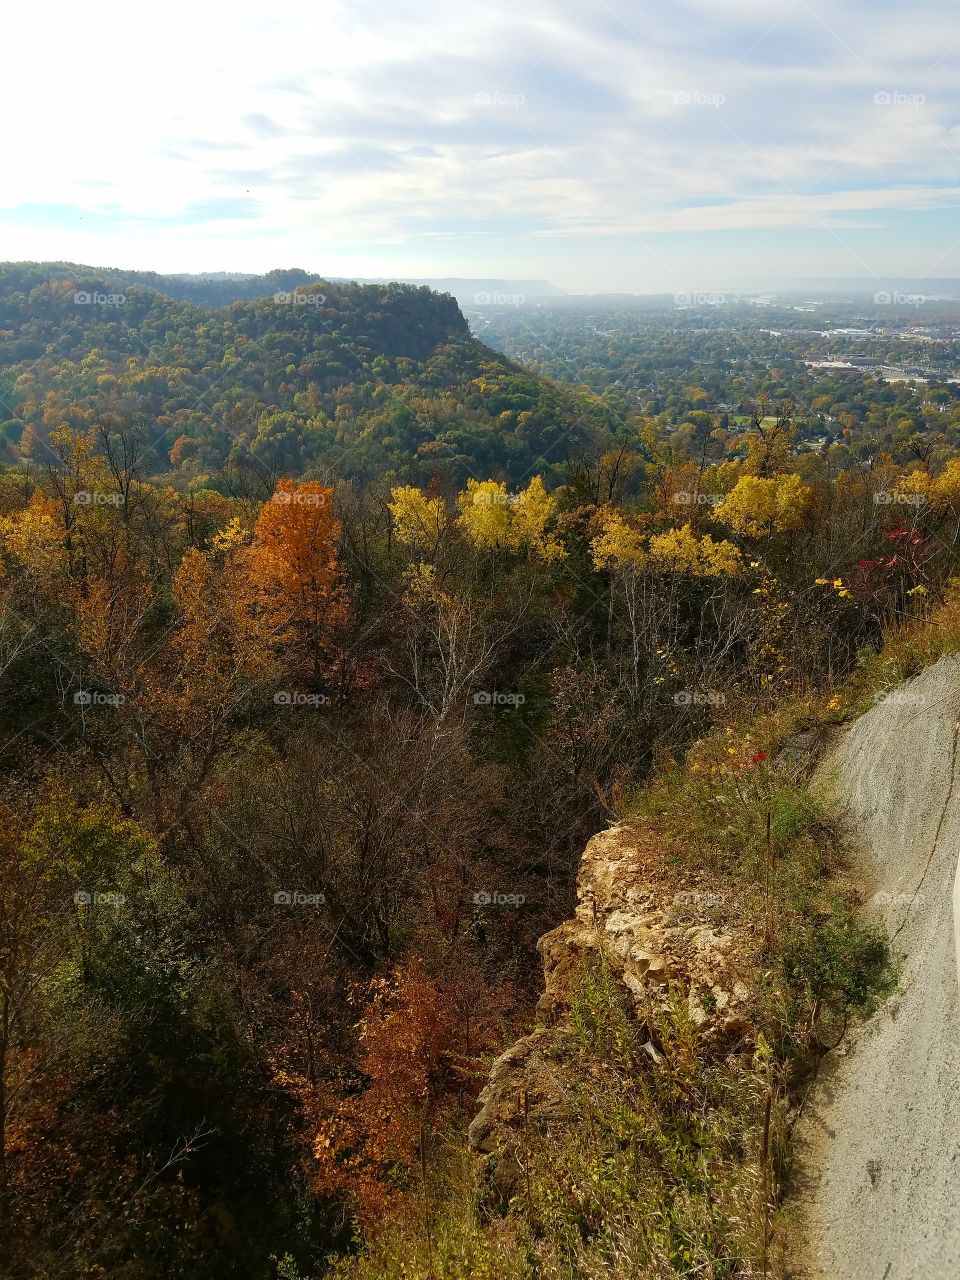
x=655 y=925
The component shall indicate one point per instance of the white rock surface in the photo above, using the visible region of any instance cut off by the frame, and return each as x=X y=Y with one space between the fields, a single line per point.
x=882 y=1130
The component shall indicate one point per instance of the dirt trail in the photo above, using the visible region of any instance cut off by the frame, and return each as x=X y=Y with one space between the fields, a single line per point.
x=881 y=1132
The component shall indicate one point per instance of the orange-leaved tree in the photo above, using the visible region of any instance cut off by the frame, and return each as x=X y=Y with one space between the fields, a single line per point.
x=295 y=575
x=367 y=1146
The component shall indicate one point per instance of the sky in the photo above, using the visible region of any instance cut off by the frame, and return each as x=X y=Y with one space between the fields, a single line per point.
x=598 y=144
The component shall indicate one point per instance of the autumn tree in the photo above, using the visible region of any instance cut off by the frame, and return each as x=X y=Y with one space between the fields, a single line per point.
x=419 y=521
x=293 y=569
x=416 y=1055
x=759 y=505
x=494 y=519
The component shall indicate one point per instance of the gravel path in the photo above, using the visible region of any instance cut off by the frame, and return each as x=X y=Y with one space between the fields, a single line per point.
x=881 y=1133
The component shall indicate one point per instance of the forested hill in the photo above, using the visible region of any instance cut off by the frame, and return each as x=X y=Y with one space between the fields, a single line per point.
x=206 y=288
x=368 y=381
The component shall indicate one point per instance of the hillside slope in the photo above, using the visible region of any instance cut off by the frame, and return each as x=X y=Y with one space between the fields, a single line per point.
x=882 y=1132
x=362 y=381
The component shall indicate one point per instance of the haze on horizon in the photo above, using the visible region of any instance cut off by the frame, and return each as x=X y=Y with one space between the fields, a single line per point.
x=603 y=145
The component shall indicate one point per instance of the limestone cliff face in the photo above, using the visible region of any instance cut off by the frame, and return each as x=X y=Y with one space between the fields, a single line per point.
x=655 y=926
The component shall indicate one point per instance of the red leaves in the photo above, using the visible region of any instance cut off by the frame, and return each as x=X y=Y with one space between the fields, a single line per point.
x=758 y=757
x=880 y=578
x=912 y=539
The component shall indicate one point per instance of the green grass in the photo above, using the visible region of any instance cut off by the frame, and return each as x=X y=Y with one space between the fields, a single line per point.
x=662 y=1175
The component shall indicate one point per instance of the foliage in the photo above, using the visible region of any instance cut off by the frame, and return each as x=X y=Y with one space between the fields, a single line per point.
x=418 y=520
x=757 y=505
x=294 y=374
x=680 y=550
x=326 y=719
x=492 y=518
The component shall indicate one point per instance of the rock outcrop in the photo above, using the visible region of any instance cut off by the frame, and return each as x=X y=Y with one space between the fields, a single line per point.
x=655 y=926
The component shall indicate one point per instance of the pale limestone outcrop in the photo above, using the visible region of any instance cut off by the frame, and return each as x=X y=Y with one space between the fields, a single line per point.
x=657 y=928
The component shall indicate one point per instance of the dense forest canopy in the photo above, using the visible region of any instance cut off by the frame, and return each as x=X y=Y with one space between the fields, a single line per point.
x=363 y=381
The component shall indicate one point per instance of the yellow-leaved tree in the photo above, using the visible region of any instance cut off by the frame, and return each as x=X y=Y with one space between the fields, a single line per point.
x=418 y=521
x=617 y=545
x=531 y=512
x=758 y=506
x=946 y=487
x=485 y=514
x=943 y=491
x=34 y=538
x=681 y=551
x=494 y=519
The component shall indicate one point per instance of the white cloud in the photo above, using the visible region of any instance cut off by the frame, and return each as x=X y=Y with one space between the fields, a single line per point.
x=342 y=129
